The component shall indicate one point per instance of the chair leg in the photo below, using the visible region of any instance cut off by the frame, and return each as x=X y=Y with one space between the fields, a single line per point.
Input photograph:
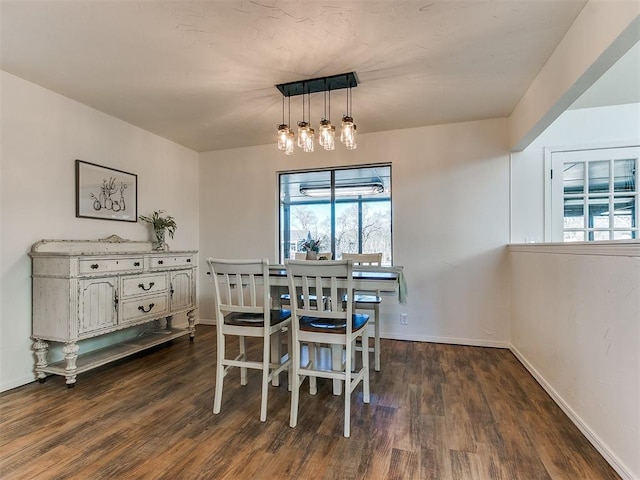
x=295 y=388
x=336 y=365
x=243 y=355
x=365 y=366
x=347 y=387
x=265 y=375
x=376 y=338
x=313 y=386
x=276 y=355
x=217 y=397
x=290 y=357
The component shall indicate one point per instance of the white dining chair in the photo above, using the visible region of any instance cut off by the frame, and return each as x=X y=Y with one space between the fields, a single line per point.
x=369 y=300
x=285 y=298
x=243 y=309
x=315 y=323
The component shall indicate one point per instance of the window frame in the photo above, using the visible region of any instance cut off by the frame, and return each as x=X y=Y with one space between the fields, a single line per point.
x=554 y=193
x=333 y=202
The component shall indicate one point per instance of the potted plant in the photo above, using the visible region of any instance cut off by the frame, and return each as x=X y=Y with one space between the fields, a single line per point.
x=161 y=224
x=311 y=246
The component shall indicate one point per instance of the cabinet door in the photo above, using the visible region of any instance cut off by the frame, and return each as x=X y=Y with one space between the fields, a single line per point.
x=98 y=306
x=182 y=290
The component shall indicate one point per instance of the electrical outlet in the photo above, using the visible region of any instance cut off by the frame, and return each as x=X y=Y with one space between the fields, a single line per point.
x=403 y=319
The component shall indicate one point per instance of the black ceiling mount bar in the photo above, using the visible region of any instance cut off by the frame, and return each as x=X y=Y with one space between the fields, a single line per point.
x=321 y=84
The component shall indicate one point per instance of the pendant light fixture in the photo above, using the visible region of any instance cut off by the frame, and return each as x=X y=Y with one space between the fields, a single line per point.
x=283 y=130
x=290 y=142
x=348 y=133
x=305 y=132
x=326 y=131
x=308 y=144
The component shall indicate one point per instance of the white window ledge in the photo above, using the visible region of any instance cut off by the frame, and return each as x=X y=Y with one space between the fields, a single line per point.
x=622 y=248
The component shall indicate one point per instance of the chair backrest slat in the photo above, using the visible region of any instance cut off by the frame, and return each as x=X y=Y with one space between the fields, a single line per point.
x=237 y=285
x=327 y=281
x=364 y=258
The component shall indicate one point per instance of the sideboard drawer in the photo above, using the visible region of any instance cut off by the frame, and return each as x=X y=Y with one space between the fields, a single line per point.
x=143 y=284
x=172 y=261
x=151 y=306
x=102 y=265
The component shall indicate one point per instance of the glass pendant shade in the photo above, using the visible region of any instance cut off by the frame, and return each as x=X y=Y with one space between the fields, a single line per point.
x=308 y=142
x=290 y=143
x=283 y=134
x=303 y=133
x=348 y=133
x=327 y=135
x=351 y=143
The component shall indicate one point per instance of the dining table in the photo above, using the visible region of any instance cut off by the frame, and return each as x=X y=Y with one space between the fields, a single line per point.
x=387 y=279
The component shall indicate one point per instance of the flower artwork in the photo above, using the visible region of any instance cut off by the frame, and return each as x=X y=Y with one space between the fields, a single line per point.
x=105 y=193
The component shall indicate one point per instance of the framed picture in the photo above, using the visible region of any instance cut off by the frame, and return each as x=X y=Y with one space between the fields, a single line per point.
x=106 y=193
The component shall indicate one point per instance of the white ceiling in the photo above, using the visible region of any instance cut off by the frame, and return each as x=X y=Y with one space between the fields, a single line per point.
x=203 y=73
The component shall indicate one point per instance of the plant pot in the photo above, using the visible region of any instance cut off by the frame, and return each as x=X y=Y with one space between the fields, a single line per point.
x=160 y=244
x=312 y=255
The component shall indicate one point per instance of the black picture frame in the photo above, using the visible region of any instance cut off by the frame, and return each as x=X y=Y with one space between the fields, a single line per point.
x=105 y=193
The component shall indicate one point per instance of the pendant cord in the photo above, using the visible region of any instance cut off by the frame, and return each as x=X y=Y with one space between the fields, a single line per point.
x=325 y=104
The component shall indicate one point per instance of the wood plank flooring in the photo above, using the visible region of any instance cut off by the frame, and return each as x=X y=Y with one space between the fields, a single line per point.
x=437 y=412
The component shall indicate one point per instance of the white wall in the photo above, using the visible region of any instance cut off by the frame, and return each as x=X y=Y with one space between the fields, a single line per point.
x=575 y=319
x=42 y=134
x=582 y=128
x=576 y=326
x=600 y=35
x=450 y=222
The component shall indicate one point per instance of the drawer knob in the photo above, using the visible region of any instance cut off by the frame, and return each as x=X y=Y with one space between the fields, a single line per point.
x=160 y=262
x=188 y=260
x=94 y=266
x=136 y=264
x=141 y=285
x=141 y=308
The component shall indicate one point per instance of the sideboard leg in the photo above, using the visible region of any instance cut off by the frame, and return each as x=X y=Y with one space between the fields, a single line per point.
x=70 y=351
x=41 y=349
x=191 y=317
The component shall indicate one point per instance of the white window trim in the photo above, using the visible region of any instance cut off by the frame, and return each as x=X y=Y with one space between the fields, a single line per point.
x=548 y=194
x=609 y=248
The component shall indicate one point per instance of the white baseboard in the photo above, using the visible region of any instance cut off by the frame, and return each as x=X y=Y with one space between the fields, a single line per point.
x=418 y=338
x=17 y=382
x=472 y=342
x=608 y=455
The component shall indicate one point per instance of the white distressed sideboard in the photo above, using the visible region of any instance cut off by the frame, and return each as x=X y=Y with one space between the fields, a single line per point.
x=84 y=289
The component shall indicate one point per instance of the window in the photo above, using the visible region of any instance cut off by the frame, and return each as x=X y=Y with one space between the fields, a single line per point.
x=347 y=209
x=595 y=194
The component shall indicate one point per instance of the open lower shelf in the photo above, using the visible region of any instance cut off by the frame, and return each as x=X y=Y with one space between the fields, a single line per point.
x=97 y=358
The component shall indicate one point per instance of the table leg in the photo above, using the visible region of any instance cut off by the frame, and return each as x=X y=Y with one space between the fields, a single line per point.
x=276 y=355
x=336 y=365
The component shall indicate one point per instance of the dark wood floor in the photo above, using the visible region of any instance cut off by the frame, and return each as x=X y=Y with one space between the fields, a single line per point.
x=436 y=412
